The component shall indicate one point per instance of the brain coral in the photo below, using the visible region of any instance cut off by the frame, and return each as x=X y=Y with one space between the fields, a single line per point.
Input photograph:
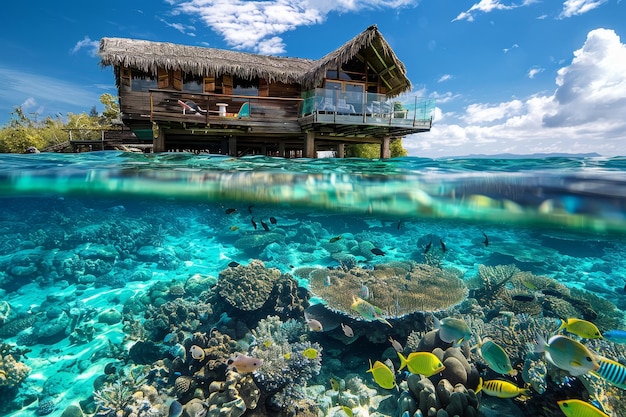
x=247 y=287
x=397 y=289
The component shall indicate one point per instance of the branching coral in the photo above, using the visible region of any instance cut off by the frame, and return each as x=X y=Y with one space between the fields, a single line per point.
x=397 y=289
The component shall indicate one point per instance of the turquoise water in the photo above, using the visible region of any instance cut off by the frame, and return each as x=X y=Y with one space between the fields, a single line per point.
x=116 y=267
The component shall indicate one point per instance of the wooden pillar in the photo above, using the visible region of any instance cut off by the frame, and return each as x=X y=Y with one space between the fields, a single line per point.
x=281 y=149
x=232 y=146
x=385 y=153
x=158 y=138
x=341 y=150
x=309 y=145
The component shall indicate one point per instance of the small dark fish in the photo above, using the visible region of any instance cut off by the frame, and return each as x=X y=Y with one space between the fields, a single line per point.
x=253 y=223
x=231 y=210
x=377 y=251
x=335 y=239
x=250 y=208
x=273 y=220
x=427 y=248
x=265 y=226
x=523 y=297
x=553 y=293
x=443 y=246
x=233 y=264
x=486 y=241
x=400 y=223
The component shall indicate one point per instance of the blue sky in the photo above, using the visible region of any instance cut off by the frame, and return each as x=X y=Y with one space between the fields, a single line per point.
x=519 y=76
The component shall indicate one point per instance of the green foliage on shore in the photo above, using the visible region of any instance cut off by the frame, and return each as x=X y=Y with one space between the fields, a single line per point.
x=372 y=150
x=24 y=131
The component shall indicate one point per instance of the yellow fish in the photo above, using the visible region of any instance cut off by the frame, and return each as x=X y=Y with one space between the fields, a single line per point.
x=383 y=376
x=567 y=354
x=347 y=410
x=334 y=384
x=234 y=228
x=423 y=363
x=287 y=355
x=579 y=408
x=501 y=389
x=496 y=357
x=310 y=353
x=582 y=328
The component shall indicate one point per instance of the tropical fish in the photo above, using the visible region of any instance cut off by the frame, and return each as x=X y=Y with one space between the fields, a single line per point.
x=486 y=241
x=234 y=228
x=265 y=226
x=501 y=389
x=377 y=251
x=396 y=345
x=335 y=239
x=400 y=223
x=244 y=364
x=367 y=310
x=334 y=384
x=250 y=208
x=383 y=376
x=423 y=363
x=347 y=330
x=525 y=298
x=231 y=210
x=612 y=372
x=273 y=220
x=314 y=325
x=427 y=247
x=452 y=330
x=310 y=353
x=580 y=408
x=364 y=292
x=197 y=352
x=567 y=354
x=253 y=223
x=616 y=336
x=267 y=343
x=287 y=355
x=582 y=328
x=327 y=282
x=233 y=264
x=347 y=410
x=496 y=357
x=443 y=246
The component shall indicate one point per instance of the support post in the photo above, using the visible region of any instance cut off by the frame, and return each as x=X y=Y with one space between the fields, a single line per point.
x=385 y=153
x=341 y=150
x=309 y=145
x=232 y=146
x=281 y=149
x=158 y=136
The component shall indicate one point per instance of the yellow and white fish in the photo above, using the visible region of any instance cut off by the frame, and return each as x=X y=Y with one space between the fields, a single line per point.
x=567 y=354
x=580 y=408
x=582 y=328
x=501 y=389
x=495 y=356
x=452 y=330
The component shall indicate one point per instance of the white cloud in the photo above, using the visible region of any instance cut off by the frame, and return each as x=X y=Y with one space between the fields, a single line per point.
x=584 y=114
x=87 y=43
x=485 y=6
x=257 y=25
x=184 y=29
x=534 y=71
x=512 y=47
x=444 y=77
x=578 y=7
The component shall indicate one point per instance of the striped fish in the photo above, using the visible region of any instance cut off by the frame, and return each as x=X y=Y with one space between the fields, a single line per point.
x=612 y=372
x=501 y=389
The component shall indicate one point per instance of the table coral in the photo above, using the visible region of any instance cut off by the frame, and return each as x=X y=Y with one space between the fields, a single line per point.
x=12 y=372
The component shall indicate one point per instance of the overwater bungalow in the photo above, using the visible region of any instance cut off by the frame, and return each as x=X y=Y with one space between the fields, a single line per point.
x=220 y=101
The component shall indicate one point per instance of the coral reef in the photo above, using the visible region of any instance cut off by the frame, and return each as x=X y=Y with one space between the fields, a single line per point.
x=12 y=372
x=398 y=289
x=442 y=399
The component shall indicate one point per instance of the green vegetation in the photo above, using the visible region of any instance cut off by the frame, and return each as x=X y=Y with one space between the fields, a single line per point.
x=372 y=150
x=23 y=131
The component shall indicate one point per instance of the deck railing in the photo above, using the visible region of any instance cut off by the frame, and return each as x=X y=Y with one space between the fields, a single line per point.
x=367 y=105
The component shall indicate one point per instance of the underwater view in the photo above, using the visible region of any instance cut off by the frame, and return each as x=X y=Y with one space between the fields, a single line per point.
x=203 y=285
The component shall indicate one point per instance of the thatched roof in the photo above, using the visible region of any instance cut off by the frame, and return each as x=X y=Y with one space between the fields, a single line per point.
x=147 y=56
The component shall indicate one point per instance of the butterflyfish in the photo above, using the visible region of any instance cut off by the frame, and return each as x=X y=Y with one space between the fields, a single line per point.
x=423 y=363
x=347 y=330
x=368 y=311
x=616 y=336
x=496 y=357
x=310 y=353
x=582 y=328
x=452 y=330
x=396 y=345
x=501 y=389
x=382 y=375
x=347 y=410
x=580 y=408
x=244 y=364
x=334 y=384
x=567 y=354
x=612 y=372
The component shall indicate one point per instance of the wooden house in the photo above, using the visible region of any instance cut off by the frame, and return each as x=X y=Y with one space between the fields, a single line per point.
x=221 y=101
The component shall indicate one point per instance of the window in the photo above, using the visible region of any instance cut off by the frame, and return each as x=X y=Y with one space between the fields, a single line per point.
x=142 y=81
x=192 y=83
x=243 y=87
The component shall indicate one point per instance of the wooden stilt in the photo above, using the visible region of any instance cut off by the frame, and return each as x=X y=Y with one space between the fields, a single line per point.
x=385 y=152
x=309 y=145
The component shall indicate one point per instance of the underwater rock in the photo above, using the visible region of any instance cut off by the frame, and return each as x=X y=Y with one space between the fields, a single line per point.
x=110 y=316
x=45 y=407
x=257 y=242
x=72 y=411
